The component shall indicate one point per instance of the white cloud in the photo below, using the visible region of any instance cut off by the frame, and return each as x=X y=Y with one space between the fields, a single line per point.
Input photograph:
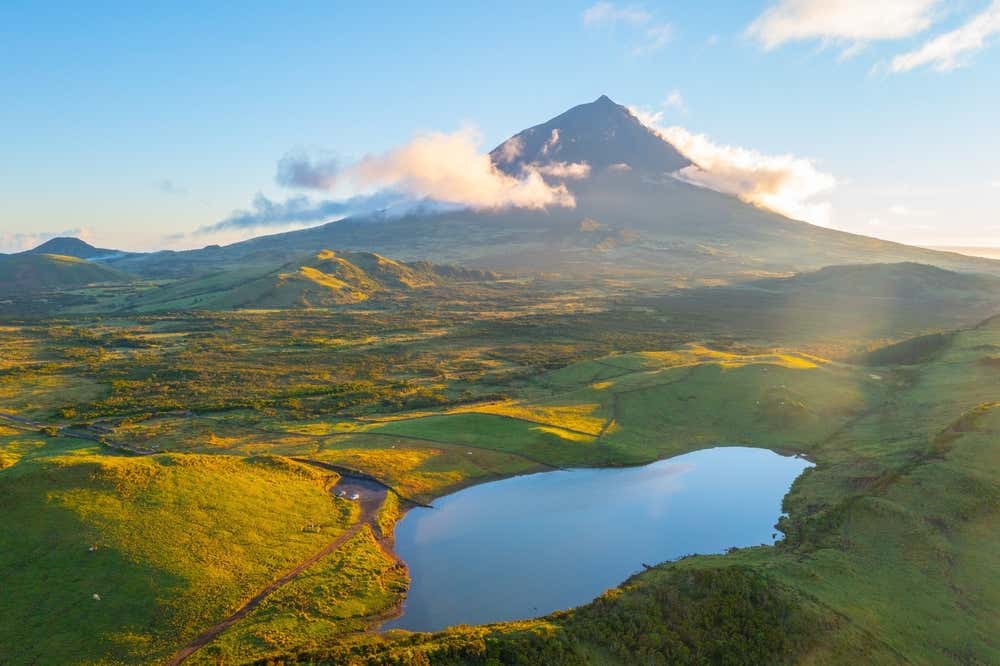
x=564 y=170
x=783 y=183
x=952 y=49
x=511 y=149
x=647 y=117
x=450 y=168
x=675 y=101
x=995 y=184
x=657 y=36
x=551 y=143
x=607 y=13
x=652 y=34
x=850 y=23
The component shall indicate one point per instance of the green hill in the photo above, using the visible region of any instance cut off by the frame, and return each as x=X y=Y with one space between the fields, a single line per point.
x=325 y=279
x=72 y=247
x=905 y=280
x=849 y=307
x=21 y=273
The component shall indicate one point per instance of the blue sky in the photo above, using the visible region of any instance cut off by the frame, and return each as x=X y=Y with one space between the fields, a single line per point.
x=141 y=123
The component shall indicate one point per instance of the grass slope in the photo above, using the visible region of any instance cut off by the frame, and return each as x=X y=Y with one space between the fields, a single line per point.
x=888 y=535
x=179 y=541
x=325 y=279
x=22 y=273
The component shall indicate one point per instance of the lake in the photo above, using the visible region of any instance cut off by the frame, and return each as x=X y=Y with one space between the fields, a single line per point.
x=529 y=545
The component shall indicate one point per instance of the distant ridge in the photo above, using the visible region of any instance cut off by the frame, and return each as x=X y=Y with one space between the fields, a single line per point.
x=972 y=251
x=904 y=280
x=324 y=279
x=72 y=247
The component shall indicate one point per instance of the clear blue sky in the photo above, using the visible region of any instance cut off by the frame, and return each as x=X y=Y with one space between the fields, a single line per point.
x=139 y=121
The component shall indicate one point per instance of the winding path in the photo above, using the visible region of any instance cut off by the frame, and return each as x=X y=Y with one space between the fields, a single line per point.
x=372 y=498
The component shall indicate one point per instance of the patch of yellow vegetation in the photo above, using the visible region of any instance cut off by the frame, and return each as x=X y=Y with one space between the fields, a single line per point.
x=321 y=278
x=584 y=417
x=382 y=463
x=667 y=358
x=568 y=435
x=217 y=442
x=325 y=428
x=795 y=362
x=730 y=360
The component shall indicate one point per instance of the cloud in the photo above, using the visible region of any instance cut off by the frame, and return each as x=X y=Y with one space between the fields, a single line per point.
x=551 y=143
x=783 y=183
x=995 y=184
x=433 y=170
x=952 y=49
x=651 y=34
x=19 y=242
x=563 y=170
x=300 y=210
x=607 y=13
x=657 y=36
x=674 y=101
x=449 y=168
x=299 y=170
x=511 y=149
x=851 y=23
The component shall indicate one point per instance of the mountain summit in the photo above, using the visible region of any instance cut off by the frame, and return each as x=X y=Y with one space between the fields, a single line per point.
x=601 y=134
x=636 y=222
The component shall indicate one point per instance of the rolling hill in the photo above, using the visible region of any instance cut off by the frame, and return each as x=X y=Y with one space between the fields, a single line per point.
x=325 y=279
x=845 y=306
x=31 y=273
x=73 y=247
x=636 y=221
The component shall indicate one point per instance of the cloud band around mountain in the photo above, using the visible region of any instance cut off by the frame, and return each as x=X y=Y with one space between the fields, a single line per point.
x=445 y=167
x=433 y=168
x=300 y=210
x=785 y=184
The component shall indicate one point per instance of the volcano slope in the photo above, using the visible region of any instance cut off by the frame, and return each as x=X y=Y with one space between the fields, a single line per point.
x=631 y=217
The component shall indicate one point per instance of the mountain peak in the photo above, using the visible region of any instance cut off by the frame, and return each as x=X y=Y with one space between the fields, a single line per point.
x=600 y=133
x=69 y=246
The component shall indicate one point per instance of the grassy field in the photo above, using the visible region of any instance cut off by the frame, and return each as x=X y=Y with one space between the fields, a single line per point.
x=888 y=541
x=888 y=535
x=166 y=544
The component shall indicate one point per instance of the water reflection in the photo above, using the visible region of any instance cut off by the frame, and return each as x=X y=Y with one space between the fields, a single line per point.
x=529 y=545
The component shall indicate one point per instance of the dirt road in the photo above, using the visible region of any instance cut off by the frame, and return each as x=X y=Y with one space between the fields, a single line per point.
x=370 y=496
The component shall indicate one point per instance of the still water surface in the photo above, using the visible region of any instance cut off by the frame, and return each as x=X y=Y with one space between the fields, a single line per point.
x=528 y=545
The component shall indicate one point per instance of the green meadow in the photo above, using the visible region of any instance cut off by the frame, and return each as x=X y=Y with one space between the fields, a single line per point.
x=886 y=537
